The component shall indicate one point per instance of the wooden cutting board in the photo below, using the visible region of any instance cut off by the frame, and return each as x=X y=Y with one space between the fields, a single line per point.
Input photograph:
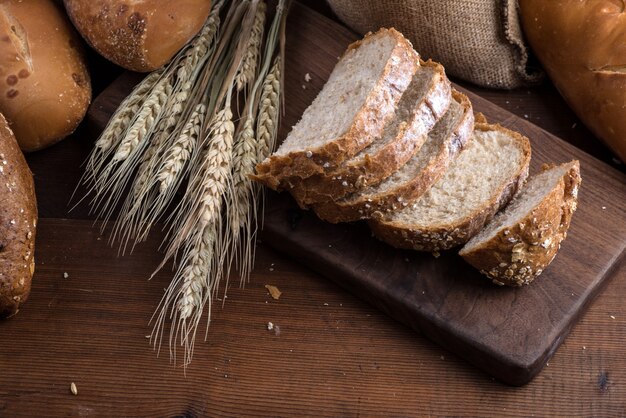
x=509 y=333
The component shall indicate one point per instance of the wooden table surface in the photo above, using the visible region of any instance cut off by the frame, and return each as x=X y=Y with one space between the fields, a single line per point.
x=332 y=355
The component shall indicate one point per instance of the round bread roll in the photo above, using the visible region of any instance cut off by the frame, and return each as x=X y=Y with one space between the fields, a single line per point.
x=582 y=46
x=18 y=224
x=44 y=84
x=138 y=35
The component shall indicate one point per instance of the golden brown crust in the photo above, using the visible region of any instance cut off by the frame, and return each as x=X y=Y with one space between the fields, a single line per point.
x=372 y=169
x=358 y=207
x=444 y=237
x=277 y=170
x=581 y=46
x=519 y=253
x=18 y=221
x=138 y=35
x=43 y=102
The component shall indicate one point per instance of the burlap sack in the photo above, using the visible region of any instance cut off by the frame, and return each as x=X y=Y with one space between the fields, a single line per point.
x=476 y=40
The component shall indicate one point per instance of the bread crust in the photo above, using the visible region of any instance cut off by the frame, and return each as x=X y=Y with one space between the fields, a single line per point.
x=359 y=207
x=446 y=236
x=581 y=46
x=138 y=35
x=46 y=101
x=277 y=170
x=18 y=222
x=371 y=170
x=519 y=253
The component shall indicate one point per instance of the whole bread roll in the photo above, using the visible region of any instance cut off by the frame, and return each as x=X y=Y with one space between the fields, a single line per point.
x=18 y=223
x=138 y=35
x=582 y=45
x=44 y=84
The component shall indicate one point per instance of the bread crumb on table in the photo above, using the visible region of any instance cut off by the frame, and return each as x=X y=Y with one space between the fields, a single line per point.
x=275 y=292
x=73 y=389
x=65 y=275
x=307 y=77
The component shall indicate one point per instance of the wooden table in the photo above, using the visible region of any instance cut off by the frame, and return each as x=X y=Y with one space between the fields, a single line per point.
x=332 y=356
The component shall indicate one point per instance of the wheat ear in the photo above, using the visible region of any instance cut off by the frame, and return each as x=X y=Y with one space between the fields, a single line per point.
x=267 y=127
x=200 y=47
x=118 y=173
x=125 y=112
x=187 y=293
x=145 y=121
x=202 y=202
x=241 y=199
x=119 y=122
x=180 y=151
x=249 y=63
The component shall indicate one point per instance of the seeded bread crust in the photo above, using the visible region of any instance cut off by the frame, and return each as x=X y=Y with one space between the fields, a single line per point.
x=518 y=254
x=371 y=170
x=367 y=125
x=446 y=236
x=18 y=220
x=356 y=207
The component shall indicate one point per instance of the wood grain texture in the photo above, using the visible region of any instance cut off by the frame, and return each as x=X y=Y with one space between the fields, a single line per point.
x=335 y=355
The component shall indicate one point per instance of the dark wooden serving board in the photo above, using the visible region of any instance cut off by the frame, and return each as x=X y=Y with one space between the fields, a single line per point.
x=509 y=333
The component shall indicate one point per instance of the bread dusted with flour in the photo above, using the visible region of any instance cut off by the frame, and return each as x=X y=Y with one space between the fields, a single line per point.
x=350 y=112
x=520 y=242
x=443 y=144
x=482 y=180
x=18 y=222
x=423 y=103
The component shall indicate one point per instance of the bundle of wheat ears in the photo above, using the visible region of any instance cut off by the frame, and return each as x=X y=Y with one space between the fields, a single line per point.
x=195 y=128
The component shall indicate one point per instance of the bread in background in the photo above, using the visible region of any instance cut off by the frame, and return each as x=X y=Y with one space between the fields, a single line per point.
x=138 y=35
x=581 y=46
x=45 y=87
x=18 y=223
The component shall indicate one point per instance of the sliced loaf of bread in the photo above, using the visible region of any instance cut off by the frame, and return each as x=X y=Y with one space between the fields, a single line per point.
x=443 y=144
x=520 y=242
x=351 y=111
x=423 y=103
x=482 y=180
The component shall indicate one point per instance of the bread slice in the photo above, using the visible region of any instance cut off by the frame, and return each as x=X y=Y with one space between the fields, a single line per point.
x=520 y=242
x=443 y=144
x=482 y=180
x=423 y=103
x=352 y=109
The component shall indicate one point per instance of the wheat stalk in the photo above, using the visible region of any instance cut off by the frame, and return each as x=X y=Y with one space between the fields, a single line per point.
x=200 y=47
x=241 y=199
x=126 y=111
x=118 y=124
x=215 y=169
x=267 y=127
x=188 y=292
x=177 y=132
x=180 y=152
x=248 y=67
x=145 y=121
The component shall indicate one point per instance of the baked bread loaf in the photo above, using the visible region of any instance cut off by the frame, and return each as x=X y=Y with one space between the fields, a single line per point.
x=581 y=46
x=423 y=103
x=18 y=222
x=480 y=182
x=520 y=242
x=138 y=35
x=443 y=144
x=45 y=90
x=350 y=112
